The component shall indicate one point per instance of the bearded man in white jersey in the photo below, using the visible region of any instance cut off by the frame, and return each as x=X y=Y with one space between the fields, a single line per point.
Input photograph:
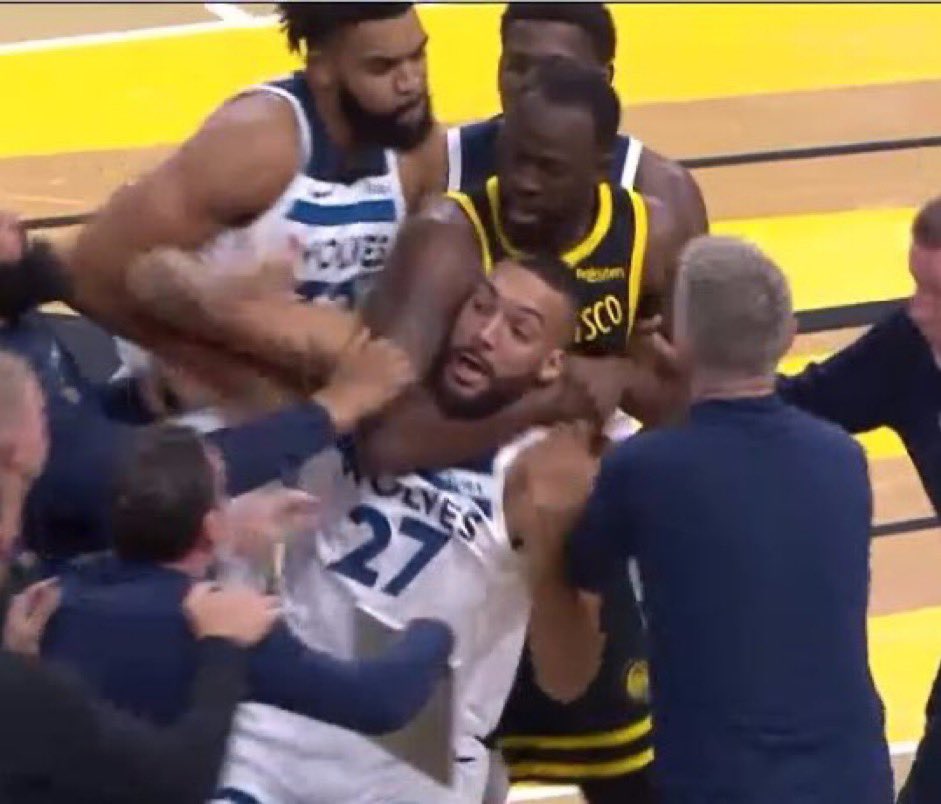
x=441 y=542
x=328 y=160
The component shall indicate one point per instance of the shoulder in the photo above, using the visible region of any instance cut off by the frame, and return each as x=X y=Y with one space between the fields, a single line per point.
x=667 y=180
x=255 y=134
x=826 y=435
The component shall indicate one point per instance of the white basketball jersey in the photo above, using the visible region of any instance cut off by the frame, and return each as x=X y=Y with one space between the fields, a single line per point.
x=430 y=544
x=344 y=220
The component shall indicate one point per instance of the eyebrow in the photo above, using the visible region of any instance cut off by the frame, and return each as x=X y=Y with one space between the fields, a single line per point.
x=395 y=57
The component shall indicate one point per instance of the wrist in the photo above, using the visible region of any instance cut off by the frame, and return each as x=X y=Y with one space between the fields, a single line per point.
x=341 y=411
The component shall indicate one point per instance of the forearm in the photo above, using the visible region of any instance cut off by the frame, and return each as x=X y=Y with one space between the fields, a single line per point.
x=273 y=447
x=565 y=639
x=415 y=433
x=374 y=696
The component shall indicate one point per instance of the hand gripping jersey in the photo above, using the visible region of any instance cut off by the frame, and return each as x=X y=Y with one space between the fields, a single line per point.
x=430 y=544
x=608 y=262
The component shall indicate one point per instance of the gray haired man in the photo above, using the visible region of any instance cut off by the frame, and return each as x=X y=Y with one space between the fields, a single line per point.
x=750 y=521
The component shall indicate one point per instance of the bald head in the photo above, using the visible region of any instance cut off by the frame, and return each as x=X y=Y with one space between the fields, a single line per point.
x=733 y=309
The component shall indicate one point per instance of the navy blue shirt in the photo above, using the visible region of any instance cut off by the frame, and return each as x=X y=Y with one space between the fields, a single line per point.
x=751 y=526
x=121 y=628
x=887 y=378
x=68 y=510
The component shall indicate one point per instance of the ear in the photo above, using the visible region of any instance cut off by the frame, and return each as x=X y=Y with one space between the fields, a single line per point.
x=552 y=367
x=609 y=71
x=319 y=70
x=791 y=334
x=215 y=530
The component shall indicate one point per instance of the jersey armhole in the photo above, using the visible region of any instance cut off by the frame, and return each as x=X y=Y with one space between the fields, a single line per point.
x=638 y=256
x=300 y=118
x=502 y=465
x=631 y=163
x=455 y=163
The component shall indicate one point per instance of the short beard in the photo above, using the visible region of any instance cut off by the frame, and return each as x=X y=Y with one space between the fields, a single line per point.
x=500 y=395
x=383 y=130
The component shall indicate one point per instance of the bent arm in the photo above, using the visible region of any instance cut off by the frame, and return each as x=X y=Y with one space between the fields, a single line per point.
x=226 y=175
x=371 y=696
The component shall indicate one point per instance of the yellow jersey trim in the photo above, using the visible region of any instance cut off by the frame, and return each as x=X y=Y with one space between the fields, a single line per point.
x=605 y=739
x=580 y=250
x=638 y=255
x=467 y=205
x=581 y=770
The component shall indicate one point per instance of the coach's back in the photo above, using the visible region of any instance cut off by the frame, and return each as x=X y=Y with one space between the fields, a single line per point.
x=751 y=523
x=757 y=590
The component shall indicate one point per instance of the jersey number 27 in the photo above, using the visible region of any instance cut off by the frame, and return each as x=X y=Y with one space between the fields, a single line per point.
x=356 y=564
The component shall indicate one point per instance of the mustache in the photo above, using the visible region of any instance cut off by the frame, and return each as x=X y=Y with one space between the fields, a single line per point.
x=475 y=357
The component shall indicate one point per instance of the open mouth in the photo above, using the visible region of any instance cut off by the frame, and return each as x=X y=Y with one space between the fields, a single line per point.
x=466 y=368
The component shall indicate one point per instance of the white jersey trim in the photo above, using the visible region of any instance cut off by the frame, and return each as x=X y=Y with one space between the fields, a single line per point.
x=455 y=167
x=303 y=127
x=631 y=163
x=392 y=163
x=501 y=469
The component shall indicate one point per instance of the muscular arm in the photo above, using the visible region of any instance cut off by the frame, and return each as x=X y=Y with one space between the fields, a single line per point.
x=229 y=172
x=565 y=638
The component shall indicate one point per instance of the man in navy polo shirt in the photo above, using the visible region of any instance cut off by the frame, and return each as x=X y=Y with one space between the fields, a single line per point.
x=751 y=523
x=890 y=378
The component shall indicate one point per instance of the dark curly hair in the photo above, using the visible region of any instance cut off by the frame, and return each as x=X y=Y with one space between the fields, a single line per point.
x=310 y=25
x=593 y=18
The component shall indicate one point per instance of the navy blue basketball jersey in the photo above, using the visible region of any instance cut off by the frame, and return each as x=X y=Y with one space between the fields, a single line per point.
x=608 y=262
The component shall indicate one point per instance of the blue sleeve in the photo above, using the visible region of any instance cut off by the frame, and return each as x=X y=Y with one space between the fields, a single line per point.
x=599 y=547
x=121 y=400
x=273 y=447
x=68 y=510
x=371 y=696
x=858 y=387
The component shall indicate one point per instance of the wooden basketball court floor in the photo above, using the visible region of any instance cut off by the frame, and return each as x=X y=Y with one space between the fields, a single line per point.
x=838 y=225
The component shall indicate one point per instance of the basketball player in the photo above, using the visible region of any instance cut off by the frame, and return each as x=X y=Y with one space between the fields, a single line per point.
x=583 y=33
x=329 y=159
x=431 y=541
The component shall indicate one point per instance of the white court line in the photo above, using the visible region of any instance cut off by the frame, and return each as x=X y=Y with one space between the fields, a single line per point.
x=901 y=749
x=540 y=793
x=228 y=12
x=139 y=35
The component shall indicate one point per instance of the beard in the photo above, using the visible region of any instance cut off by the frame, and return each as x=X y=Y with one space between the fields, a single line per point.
x=501 y=392
x=384 y=130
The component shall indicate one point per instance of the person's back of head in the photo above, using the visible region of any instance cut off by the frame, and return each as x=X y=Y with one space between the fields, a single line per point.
x=733 y=313
x=168 y=500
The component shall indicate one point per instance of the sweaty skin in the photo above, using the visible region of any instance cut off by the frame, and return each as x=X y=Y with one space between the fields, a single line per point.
x=232 y=170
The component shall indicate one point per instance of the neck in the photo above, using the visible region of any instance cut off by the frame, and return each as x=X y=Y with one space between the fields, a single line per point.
x=713 y=385
x=339 y=131
x=195 y=565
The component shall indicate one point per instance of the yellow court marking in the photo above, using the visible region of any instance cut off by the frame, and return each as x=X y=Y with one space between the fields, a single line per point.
x=904 y=650
x=120 y=91
x=835 y=258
